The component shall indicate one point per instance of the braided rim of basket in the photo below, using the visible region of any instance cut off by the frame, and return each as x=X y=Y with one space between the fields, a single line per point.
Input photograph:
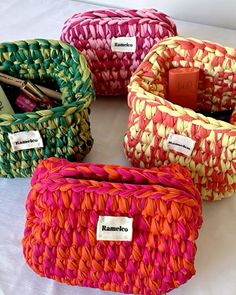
x=55 y=169
x=48 y=59
x=139 y=87
x=120 y=17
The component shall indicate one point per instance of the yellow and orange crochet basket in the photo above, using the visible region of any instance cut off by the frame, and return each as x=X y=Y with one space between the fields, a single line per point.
x=153 y=119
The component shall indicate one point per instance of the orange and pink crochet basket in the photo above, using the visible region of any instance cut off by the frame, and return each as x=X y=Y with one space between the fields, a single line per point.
x=153 y=254
x=114 y=42
x=153 y=120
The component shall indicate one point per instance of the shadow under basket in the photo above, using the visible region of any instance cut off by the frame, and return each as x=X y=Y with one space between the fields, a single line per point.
x=64 y=130
x=153 y=119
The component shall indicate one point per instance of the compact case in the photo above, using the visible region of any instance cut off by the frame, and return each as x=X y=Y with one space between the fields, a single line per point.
x=162 y=132
x=114 y=42
x=112 y=227
x=61 y=131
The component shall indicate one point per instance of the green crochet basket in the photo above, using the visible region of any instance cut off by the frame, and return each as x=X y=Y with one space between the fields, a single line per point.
x=65 y=129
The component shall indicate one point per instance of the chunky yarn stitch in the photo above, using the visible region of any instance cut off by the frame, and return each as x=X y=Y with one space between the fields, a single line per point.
x=63 y=207
x=153 y=118
x=65 y=129
x=92 y=32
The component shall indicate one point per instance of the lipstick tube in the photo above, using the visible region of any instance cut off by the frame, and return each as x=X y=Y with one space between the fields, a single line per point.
x=25 y=104
x=35 y=93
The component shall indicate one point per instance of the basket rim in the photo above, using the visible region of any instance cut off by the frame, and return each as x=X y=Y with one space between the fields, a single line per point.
x=135 y=87
x=46 y=46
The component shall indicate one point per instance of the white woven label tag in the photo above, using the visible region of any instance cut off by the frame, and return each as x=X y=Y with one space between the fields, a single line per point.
x=181 y=144
x=123 y=44
x=25 y=140
x=114 y=228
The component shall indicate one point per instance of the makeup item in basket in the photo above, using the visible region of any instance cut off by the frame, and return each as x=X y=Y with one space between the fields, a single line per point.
x=35 y=93
x=183 y=86
x=111 y=227
x=25 y=84
x=30 y=104
x=5 y=106
x=25 y=103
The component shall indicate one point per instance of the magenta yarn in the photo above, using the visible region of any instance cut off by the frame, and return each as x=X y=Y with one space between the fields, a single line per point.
x=92 y=32
x=64 y=207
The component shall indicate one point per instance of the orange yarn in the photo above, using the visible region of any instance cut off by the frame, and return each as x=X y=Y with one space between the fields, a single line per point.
x=63 y=210
x=153 y=118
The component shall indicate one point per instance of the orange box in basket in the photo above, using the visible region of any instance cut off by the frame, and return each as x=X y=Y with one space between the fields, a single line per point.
x=183 y=86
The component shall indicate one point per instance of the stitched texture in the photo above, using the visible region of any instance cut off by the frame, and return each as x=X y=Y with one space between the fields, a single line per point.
x=152 y=117
x=65 y=129
x=62 y=211
x=92 y=32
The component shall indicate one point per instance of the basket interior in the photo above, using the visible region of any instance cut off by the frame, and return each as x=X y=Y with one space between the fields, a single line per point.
x=50 y=63
x=217 y=79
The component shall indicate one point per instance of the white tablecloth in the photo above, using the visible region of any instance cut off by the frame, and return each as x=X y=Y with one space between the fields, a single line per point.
x=216 y=255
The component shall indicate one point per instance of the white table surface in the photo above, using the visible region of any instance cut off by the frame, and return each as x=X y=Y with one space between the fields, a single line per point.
x=216 y=255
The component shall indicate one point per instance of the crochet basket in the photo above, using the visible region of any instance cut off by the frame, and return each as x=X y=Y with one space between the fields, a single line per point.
x=153 y=119
x=94 y=33
x=65 y=129
x=146 y=243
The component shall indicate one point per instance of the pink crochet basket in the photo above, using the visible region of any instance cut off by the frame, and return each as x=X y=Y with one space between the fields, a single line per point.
x=117 y=228
x=115 y=42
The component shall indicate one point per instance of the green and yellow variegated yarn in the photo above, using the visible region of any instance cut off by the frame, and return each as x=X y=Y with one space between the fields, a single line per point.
x=65 y=129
